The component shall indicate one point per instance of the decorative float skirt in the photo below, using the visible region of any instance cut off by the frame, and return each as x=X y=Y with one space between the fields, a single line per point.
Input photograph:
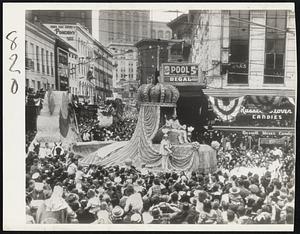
x=187 y=157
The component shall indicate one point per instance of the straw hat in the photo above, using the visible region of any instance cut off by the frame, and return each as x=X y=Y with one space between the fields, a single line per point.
x=234 y=191
x=117 y=212
x=136 y=218
x=35 y=176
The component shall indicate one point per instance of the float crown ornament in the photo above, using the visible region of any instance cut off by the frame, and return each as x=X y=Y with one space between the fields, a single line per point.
x=159 y=94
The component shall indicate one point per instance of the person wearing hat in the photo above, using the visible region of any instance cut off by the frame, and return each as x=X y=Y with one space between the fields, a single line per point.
x=117 y=215
x=235 y=197
x=136 y=218
x=165 y=151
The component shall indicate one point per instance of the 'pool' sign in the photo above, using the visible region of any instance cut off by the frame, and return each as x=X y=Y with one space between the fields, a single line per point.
x=180 y=74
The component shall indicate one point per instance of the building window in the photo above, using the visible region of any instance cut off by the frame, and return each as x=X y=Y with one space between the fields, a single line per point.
x=43 y=65
x=160 y=34
x=38 y=85
x=27 y=83
x=47 y=62
x=82 y=14
x=37 y=59
x=51 y=61
x=275 y=48
x=52 y=86
x=239 y=48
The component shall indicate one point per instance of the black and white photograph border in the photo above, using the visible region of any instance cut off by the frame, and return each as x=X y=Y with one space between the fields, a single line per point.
x=147 y=116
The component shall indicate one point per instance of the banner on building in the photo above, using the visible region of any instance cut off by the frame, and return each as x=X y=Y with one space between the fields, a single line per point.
x=226 y=111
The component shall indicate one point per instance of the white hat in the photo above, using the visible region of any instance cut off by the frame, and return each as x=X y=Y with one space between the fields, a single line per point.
x=35 y=175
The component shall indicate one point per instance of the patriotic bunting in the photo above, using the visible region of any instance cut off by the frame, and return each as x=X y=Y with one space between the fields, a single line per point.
x=227 y=112
x=267 y=101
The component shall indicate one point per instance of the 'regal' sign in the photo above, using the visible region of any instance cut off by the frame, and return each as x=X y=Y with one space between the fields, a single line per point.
x=180 y=74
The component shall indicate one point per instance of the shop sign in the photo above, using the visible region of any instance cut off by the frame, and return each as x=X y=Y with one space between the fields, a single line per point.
x=180 y=74
x=272 y=141
x=275 y=114
x=268 y=133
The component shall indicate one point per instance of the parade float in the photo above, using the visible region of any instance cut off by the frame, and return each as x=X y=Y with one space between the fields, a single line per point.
x=56 y=123
x=155 y=103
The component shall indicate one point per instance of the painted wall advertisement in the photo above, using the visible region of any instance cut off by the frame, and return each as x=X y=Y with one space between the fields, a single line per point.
x=67 y=32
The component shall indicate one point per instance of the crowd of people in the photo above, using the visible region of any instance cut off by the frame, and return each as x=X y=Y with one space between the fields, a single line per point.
x=31 y=96
x=121 y=129
x=60 y=190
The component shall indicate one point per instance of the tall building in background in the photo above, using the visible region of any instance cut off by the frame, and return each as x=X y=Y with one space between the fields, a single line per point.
x=83 y=17
x=125 y=73
x=123 y=26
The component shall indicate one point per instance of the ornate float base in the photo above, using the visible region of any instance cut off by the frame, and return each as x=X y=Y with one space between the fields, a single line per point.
x=140 y=149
